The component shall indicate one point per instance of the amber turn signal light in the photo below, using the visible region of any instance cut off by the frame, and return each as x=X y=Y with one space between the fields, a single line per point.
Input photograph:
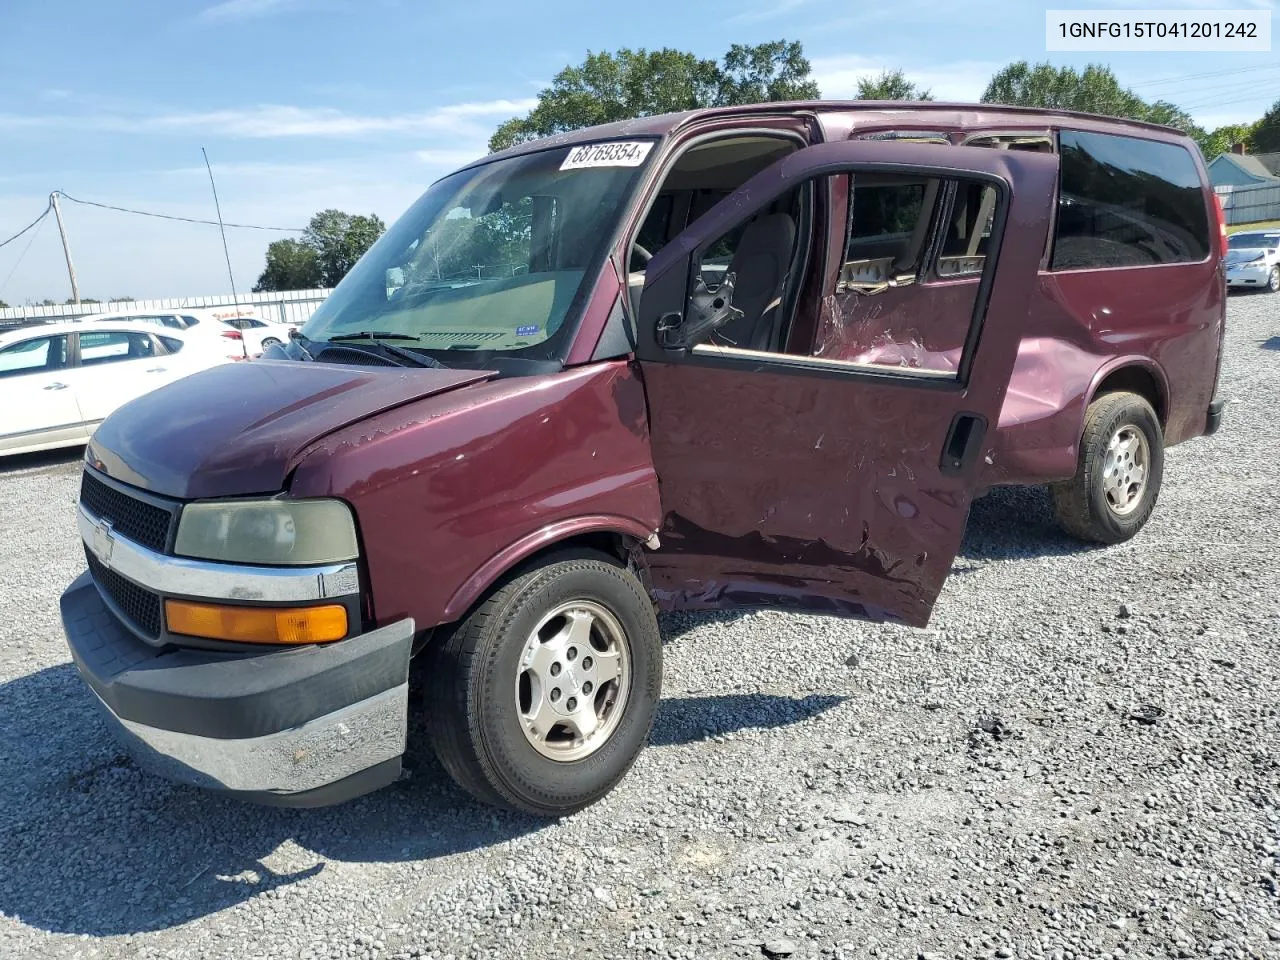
x=257 y=624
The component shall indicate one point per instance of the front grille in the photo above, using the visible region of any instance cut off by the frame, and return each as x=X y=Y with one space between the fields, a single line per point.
x=136 y=519
x=141 y=607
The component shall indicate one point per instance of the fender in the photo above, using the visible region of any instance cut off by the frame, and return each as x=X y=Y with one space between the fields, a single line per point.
x=1115 y=365
x=507 y=558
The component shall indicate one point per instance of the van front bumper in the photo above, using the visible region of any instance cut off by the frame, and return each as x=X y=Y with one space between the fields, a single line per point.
x=305 y=726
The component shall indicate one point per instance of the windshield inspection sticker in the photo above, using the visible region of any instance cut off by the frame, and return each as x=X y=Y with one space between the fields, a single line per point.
x=618 y=153
x=526 y=331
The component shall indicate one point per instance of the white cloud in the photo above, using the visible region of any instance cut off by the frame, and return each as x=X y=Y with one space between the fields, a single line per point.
x=266 y=121
x=767 y=11
x=961 y=80
x=235 y=10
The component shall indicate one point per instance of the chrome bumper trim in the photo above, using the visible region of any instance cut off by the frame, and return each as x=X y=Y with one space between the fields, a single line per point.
x=217 y=581
x=320 y=752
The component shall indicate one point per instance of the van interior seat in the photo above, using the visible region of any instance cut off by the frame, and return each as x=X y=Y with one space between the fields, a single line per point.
x=759 y=265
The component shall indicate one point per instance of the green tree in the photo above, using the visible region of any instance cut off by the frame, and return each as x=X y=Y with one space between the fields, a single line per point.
x=291 y=265
x=121 y=300
x=339 y=240
x=3 y=305
x=608 y=87
x=1093 y=90
x=1266 y=133
x=891 y=85
x=330 y=246
x=1221 y=139
x=766 y=73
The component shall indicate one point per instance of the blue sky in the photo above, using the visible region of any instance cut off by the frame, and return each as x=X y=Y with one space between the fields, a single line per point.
x=359 y=104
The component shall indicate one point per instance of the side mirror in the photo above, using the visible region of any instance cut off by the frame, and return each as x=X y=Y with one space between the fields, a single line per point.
x=706 y=311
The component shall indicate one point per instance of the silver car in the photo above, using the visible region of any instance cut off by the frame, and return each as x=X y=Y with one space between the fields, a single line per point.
x=1253 y=260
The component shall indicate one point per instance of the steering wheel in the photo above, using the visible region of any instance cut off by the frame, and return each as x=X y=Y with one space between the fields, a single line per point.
x=639 y=253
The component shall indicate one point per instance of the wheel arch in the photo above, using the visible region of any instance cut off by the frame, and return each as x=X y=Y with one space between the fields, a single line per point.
x=616 y=536
x=1139 y=375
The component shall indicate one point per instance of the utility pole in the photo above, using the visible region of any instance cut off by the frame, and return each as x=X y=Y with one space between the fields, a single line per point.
x=66 y=248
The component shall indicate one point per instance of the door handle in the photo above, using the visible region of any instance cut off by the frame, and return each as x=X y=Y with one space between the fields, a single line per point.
x=56 y=386
x=964 y=441
x=156 y=369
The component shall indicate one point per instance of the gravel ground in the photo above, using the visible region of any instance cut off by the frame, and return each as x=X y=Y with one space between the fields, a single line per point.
x=1078 y=759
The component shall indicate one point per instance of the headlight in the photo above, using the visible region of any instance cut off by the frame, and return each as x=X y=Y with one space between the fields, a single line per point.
x=268 y=532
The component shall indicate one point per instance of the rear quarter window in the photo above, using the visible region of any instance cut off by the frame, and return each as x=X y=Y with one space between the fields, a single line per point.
x=1126 y=202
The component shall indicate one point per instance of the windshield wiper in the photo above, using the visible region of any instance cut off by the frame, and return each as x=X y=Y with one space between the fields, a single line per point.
x=377 y=337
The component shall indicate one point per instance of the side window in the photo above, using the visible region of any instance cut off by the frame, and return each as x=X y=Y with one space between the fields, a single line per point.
x=173 y=323
x=33 y=356
x=968 y=231
x=746 y=279
x=114 y=346
x=888 y=229
x=1126 y=202
x=907 y=293
x=172 y=344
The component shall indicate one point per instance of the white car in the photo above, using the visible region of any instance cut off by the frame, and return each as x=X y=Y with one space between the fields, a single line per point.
x=1253 y=260
x=236 y=337
x=260 y=333
x=58 y=381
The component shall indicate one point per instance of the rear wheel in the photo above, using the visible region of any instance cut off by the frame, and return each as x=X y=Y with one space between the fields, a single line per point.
x=269 y=342
x=543 y=697
x=1119 y=471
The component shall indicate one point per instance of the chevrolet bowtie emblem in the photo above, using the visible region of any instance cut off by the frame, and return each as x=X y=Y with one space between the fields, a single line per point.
x=103 y=542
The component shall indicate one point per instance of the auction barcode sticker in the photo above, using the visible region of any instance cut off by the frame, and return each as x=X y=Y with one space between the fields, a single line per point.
x=1235 y=31
x=616 y=153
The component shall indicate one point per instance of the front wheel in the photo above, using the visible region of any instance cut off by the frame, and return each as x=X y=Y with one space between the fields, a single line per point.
x=1273 y=281
x=1119 y=471
x=543 y=697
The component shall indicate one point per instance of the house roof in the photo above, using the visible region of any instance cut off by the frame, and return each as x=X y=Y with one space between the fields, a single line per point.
x=1269 y=160
x=1249 y=163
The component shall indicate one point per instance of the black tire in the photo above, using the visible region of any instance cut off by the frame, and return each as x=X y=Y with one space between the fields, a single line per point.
x=1273 y=281
x=1080 y=504
x=269 y=342
x=472 y=713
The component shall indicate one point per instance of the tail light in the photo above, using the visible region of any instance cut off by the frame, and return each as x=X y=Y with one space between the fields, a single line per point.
x=243 y=354
x=1221 y=216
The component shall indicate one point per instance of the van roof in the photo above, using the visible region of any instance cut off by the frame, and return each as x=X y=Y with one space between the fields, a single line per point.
x=861 y=113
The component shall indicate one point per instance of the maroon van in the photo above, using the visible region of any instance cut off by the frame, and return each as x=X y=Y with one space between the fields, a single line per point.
x=754 y=356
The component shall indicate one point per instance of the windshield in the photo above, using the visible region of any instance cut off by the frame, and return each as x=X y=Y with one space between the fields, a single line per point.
x=492 y=263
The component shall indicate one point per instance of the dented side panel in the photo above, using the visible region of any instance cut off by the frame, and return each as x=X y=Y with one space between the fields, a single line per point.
x=801 y=491
x=445 y=486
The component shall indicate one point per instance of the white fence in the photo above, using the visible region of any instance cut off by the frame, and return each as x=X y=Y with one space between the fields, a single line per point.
x=287 y=306
x=1250 y=204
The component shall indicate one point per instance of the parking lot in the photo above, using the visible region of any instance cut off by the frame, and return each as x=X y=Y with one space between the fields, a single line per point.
x=1080 y=758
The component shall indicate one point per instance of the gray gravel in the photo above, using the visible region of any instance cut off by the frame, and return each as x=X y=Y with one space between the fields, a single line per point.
x=1081 y=758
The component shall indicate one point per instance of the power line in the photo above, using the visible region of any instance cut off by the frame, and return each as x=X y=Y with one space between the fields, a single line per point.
x=167 y=216
x=22 y=256
x=1201 y=76
x=47 y=208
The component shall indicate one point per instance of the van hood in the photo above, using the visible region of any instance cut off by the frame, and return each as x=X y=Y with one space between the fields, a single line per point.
x=235 y=429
